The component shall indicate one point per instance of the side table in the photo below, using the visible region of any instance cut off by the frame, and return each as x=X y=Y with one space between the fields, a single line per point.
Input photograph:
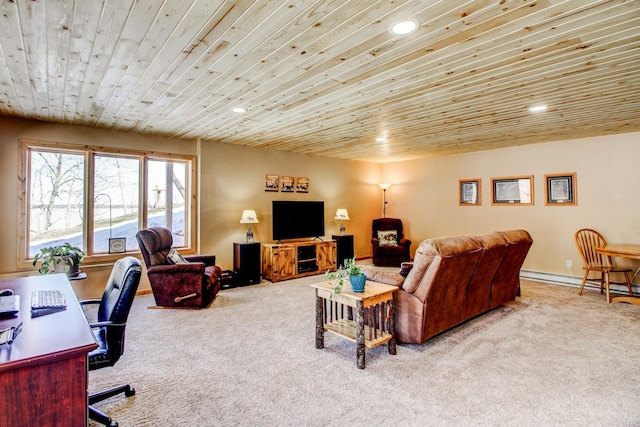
x=375 y=318
x=344 y=248
x=246 y=263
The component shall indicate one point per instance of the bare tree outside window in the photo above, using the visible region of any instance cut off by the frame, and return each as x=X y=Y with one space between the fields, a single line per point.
x=56 y=197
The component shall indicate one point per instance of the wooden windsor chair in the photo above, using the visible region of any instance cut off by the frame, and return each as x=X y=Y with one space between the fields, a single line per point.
x=587 y=240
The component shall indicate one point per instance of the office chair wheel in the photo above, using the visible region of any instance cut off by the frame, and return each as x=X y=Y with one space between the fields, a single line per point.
x=129 y=391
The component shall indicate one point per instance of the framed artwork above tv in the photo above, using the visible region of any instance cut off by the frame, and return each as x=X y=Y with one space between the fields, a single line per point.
x=271 y=183
x=286 y=184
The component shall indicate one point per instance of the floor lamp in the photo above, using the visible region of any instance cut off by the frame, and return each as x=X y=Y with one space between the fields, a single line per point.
x=384 y=198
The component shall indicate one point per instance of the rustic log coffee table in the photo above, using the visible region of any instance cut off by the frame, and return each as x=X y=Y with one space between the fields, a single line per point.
x=374 y=322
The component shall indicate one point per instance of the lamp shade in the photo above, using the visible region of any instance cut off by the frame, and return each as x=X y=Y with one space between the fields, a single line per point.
x=249 y=217
x=384 y=186
x=342 y=214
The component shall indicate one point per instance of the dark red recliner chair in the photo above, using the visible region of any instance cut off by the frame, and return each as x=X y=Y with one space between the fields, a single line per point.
x=389 y=247
x=193 y=281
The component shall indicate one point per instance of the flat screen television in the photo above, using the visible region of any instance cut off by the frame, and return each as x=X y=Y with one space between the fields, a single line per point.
x=297 y=219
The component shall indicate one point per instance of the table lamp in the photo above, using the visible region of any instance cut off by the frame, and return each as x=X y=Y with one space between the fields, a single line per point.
x=249 y=217
x=343 y=216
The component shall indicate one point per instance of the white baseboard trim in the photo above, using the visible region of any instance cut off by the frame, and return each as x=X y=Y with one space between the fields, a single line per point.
x=573 y=281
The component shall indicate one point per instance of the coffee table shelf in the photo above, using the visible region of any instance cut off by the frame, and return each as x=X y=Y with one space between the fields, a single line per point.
x=348 y=328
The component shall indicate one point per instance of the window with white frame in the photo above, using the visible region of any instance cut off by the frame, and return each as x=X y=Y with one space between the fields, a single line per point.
x=90 y=198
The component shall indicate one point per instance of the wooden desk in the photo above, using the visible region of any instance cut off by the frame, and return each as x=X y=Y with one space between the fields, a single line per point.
x=44 y=373
x=376 y=301
x=624 y=251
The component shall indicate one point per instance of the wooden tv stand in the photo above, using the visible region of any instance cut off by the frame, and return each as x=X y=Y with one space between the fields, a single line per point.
x=283 y=261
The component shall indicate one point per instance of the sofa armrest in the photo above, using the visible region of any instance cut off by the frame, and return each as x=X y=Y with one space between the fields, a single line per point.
x=214 y=272
x=404 y=242
x=380 y=275
x=207 y=260
x=190 y=267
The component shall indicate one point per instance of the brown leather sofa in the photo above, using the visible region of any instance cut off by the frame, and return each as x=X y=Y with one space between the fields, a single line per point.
x=454 y=279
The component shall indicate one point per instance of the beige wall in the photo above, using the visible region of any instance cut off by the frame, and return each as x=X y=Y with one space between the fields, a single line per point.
x=425 y=194
x=233 y=180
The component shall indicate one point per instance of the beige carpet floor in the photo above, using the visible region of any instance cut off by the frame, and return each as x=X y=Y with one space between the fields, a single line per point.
x=551 y=358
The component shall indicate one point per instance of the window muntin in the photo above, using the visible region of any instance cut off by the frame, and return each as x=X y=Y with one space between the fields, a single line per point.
x=98 y=183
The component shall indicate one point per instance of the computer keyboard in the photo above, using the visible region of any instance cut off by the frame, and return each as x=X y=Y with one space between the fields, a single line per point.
x=47 y=299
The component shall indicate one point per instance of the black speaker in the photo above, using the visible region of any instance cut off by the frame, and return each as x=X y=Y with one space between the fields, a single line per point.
x=344 y=247
x=246 y=263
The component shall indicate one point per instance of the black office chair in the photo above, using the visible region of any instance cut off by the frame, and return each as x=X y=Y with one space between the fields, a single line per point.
x=109 y=329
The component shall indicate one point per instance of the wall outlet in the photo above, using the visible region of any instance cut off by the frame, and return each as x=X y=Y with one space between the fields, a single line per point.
x=569 y=264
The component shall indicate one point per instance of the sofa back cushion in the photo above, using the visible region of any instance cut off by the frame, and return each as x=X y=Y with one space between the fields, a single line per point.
x=506 y=282
x=494 y=246
x=450 y=263
x=434 y=249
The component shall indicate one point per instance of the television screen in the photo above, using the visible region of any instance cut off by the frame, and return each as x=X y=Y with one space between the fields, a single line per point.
x=297 y=219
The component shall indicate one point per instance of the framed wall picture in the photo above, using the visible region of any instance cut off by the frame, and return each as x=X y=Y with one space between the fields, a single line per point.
x=512 y=191
x=271 y=183
x=117 y=245
x=470 y=192
x=560 y=189
x=286 y=184
x=302 y=184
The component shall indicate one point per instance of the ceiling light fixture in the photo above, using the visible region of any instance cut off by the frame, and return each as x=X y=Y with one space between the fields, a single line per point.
x=238 y=109
x=405 y=26
x=537 y=108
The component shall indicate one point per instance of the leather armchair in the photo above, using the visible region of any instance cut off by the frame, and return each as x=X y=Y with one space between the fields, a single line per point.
x=389 y=255
x=191 y=284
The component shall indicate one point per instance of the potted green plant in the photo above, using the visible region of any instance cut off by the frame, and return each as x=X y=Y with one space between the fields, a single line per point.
x=60 y=259
x=349 y=269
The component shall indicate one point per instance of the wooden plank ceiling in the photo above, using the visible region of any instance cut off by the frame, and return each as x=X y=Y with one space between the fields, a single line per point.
x=326 y=77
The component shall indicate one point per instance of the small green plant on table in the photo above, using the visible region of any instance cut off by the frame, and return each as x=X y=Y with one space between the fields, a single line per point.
x=348 y=269
x=62 y=258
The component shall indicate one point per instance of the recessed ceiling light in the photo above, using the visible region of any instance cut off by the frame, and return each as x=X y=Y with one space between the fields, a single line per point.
x=405 y=26
x=238 y=109
x=537 y=108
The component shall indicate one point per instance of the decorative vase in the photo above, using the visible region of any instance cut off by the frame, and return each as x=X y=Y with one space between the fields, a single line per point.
x=357 y=282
